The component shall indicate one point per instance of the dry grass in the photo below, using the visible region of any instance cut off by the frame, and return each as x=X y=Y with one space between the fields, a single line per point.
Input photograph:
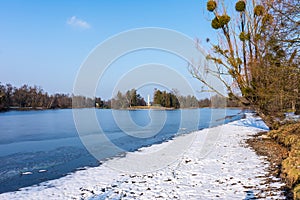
x=289 y=136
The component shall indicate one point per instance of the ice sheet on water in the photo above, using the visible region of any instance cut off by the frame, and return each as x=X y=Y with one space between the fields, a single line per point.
x=21 y=169
x=229 y=172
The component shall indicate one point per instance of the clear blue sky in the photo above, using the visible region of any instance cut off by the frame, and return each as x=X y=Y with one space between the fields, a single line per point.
x=44 y=42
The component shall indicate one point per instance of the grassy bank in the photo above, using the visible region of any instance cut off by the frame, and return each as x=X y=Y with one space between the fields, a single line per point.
x=282 y=149
x=289 y=137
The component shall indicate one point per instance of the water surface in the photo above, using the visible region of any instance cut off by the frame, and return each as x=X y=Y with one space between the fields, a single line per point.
x=36 y=146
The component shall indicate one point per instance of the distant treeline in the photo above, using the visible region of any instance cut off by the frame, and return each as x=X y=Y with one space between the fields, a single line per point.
x=166 y=99
x=218 y=102
x=34 y=97
x=129 y=99
x=132 y=99
x=175 y=100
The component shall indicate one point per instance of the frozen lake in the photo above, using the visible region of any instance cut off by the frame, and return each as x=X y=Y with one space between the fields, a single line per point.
x=36 y=146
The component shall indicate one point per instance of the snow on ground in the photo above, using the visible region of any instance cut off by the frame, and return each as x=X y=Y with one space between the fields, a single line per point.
x=229 y=171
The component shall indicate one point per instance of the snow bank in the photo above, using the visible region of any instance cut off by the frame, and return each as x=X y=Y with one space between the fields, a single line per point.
x=229 y=171
x=251 y=121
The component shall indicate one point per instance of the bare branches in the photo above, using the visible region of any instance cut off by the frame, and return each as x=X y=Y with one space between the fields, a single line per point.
x=259 y=51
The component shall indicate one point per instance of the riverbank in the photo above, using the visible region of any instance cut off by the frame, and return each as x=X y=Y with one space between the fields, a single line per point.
x=230 y=171
x=282 y=149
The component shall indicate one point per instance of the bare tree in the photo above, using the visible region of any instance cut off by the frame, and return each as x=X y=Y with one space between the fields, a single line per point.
x=255 y=50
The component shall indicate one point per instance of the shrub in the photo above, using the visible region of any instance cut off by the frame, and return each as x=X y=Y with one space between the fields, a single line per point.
x=297 y=192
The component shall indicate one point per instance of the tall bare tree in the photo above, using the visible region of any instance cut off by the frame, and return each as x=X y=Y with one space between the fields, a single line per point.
x=258 y=48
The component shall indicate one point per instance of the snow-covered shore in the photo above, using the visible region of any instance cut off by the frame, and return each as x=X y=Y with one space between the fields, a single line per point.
x=230 y=171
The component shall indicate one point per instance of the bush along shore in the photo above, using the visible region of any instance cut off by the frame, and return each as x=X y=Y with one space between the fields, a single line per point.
x=282 y=149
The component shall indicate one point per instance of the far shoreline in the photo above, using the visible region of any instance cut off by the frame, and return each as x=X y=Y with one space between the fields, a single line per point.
x=129 y=108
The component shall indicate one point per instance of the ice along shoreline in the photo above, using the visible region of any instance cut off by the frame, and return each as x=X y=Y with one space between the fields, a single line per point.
x=230 y=171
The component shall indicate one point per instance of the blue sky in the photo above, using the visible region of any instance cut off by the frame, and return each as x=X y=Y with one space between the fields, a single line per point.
x=44 y=42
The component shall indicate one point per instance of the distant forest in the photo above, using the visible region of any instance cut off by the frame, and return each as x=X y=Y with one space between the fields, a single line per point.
x=34 y=97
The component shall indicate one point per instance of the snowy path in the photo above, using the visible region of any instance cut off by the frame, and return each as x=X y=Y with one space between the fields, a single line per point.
x=230 y=171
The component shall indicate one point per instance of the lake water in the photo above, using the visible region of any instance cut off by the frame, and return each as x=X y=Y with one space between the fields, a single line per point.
x=37 y=146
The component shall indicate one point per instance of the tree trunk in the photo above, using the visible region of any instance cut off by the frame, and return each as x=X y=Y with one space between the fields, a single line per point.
x=297 y=108
x=269 y=120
